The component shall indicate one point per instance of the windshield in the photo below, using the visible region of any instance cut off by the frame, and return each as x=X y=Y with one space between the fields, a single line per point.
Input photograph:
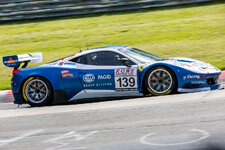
x=140 y=55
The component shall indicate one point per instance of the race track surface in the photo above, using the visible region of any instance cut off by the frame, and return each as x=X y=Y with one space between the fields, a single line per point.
x=174 y=122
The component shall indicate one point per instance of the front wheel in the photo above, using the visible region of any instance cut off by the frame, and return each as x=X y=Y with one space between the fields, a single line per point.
x=37 y=91
x=160 y=81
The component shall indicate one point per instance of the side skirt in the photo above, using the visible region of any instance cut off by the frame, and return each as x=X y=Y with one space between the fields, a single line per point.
x=59 y=97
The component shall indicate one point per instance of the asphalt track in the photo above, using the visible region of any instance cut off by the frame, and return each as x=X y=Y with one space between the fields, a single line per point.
x=173 y=122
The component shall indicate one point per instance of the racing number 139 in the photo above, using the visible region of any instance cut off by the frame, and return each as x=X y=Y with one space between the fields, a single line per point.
x=126 y=81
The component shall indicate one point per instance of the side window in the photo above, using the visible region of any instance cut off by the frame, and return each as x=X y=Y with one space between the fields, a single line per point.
x=118 y=57
x=80 y=60
x=105 y=58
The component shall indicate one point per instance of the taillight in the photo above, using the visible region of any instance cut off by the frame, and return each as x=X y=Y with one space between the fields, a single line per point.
x=15 y=71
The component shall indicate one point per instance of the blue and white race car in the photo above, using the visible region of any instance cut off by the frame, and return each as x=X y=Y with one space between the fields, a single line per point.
x=111 y=71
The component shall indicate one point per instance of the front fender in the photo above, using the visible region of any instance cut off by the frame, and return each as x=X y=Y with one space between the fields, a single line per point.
x=179 y=72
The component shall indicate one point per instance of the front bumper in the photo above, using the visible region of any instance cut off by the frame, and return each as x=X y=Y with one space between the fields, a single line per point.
x=199 y=82
x=15 y=86
x=18 y=98
x=186 y=90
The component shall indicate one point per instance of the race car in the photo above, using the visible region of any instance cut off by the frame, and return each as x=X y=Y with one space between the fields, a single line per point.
x=111 y=71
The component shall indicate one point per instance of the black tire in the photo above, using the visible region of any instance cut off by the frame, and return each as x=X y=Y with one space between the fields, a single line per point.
x=37 y=91
x=160 y=81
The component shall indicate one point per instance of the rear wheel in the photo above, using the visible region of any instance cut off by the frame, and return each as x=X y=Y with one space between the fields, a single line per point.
x=37 y=91
x=160 y=81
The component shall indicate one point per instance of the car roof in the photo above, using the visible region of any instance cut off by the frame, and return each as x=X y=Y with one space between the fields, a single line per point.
x=113 y=48
x=109 y=47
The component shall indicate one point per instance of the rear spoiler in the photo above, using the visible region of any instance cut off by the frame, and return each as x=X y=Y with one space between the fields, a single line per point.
x=15 y=60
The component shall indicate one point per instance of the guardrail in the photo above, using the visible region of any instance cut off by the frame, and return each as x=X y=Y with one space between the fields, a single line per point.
x=29 y=9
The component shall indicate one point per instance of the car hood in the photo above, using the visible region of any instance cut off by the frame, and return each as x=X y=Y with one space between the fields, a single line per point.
x=193 y=65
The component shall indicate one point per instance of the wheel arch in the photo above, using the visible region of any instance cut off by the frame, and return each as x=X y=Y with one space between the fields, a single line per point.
x=25 y=79
x=144 y=72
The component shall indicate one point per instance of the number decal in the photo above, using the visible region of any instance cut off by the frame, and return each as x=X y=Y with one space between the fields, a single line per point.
x=125 y=82
x=126 y=79
x=120 y=82
x=132 y=81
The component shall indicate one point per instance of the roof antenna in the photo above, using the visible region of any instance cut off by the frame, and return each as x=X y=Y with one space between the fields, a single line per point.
x=84 y=36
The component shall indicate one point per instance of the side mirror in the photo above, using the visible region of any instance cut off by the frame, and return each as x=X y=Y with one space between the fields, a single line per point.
x=124 y=61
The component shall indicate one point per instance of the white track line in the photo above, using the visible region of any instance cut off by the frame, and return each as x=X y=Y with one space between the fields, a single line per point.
x=6 y=142
x=205 y=135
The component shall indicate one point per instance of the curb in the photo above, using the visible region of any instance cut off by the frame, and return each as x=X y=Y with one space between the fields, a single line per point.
x=6 y=96
x=5 y=93
x=222 y=80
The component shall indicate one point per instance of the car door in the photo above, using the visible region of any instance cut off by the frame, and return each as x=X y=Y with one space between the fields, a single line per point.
x=103 y=75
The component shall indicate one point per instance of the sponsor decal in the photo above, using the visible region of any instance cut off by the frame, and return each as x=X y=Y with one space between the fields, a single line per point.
x=89 y=85
x=202 y=76
x=98 y=84
x=103 y=84
x=11 y=61
x=66 y=73
x=189 y=76
x=141 y=68
x=198 y=82
x=126 y=72
x=89 y=78
x=92 y=81
x=104 y=77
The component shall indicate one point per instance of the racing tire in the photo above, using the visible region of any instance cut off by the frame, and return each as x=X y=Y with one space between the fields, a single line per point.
x=160 y=81
x=37 y=91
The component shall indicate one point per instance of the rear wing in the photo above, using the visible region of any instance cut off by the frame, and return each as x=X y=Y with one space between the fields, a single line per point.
x=15 y=60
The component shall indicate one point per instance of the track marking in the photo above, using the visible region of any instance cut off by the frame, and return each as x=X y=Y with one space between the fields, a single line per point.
x=205 y=135
x=6 y=142
x=71 y=136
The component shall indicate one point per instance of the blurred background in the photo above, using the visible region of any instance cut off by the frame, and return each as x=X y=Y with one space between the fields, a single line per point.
x=58 y=28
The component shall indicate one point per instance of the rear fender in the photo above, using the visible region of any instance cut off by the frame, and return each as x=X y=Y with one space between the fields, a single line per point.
x=66 y=84
x=47 y=73
x=52 y=74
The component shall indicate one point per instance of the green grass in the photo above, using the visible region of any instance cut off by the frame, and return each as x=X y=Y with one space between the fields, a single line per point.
x=184 y=31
